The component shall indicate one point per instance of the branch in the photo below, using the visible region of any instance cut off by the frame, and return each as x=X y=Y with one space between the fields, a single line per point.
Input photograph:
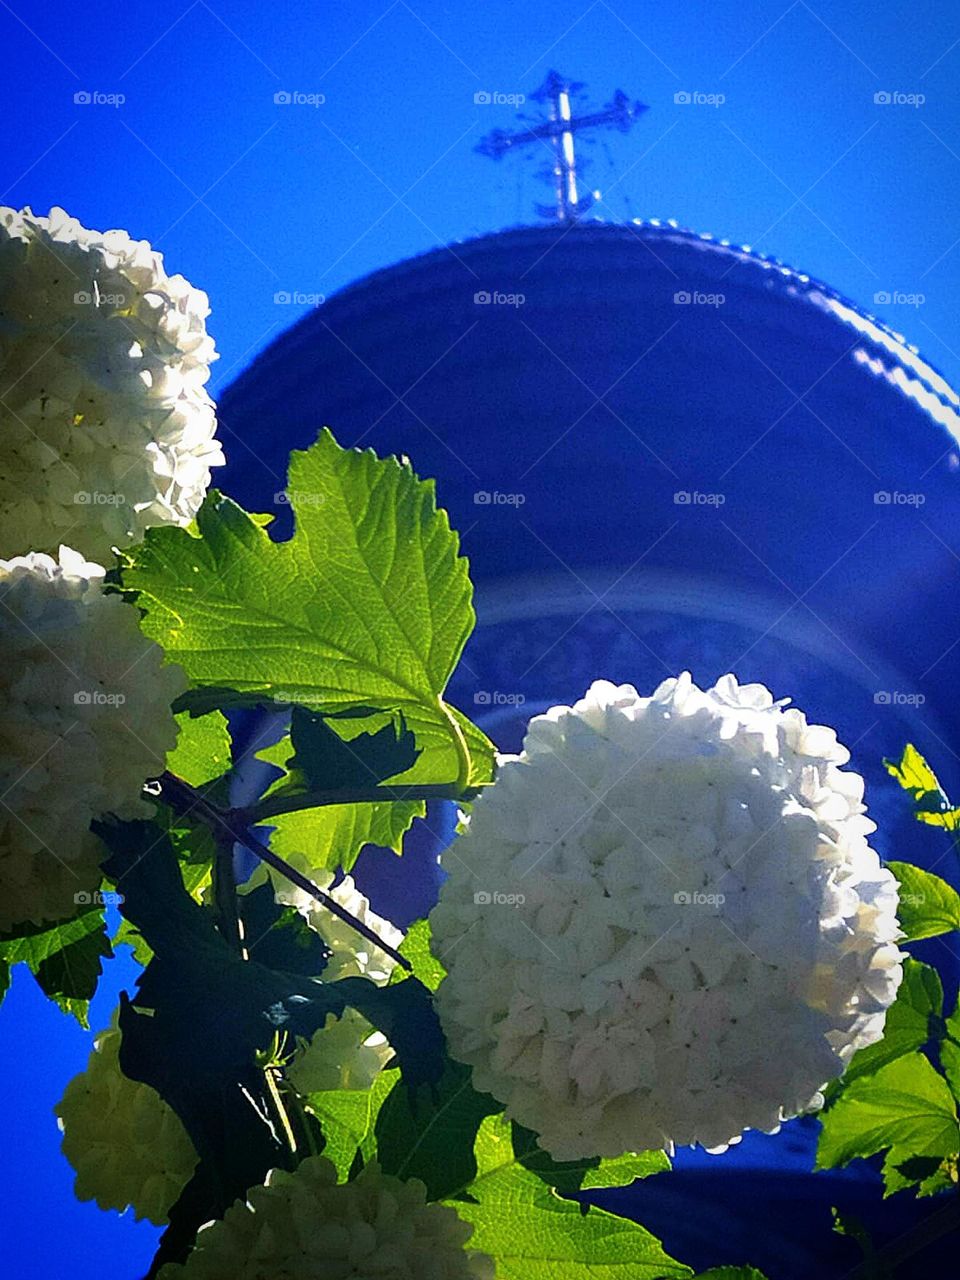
x=918 y=1237
x=184 y=798
x=225 y=892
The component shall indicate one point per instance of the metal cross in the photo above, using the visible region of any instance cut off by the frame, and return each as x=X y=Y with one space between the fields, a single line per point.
x=557 y=132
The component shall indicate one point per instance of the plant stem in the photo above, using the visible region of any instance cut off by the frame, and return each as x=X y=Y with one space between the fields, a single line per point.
x=225 y=892
x=460 y=742
x=281 y=1112
x=184 y=799
x=897 y=1251
x=274 y=806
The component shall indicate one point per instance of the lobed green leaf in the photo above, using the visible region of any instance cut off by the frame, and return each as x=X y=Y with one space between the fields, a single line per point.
x=928 y=905
x=535 y=1234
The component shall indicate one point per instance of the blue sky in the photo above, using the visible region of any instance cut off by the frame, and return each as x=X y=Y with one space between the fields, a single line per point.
x=184 y=145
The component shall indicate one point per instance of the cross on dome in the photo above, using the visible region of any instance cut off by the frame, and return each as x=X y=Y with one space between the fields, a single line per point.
x=557 y=132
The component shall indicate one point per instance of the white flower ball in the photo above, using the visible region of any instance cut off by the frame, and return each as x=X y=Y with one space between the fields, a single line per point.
x=303 y=1226
x=664 y=923
x=105 y=425
x=86 y=720
x=127 y=1146
x=347 y=1052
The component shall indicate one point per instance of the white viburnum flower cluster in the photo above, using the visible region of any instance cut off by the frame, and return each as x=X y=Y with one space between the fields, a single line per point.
x=347 y=1052
x=105 y=424
x=303 y=1225
x=127 y=1146
x=86 y=720
x=664 y=924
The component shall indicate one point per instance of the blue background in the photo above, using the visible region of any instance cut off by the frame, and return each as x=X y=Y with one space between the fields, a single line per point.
x=249 y=199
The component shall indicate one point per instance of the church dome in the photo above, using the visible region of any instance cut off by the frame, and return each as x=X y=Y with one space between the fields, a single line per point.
x=662 y=451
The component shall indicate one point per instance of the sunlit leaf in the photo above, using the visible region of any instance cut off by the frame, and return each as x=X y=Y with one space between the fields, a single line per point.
x=916 y=777
x=535 y=1234
x=368 y=604
x=905 y=1107
x=928 y=905
x=202 y=752
x=430 y=1133
x=416 y=948
x=325 y=754
x=66 y=959
x=347 y=1117
x=583 y=1175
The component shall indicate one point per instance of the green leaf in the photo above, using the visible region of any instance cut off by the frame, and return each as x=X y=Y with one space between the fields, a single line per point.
x=928 y=1174
x=905 y=1106
x=280 y=936
x=195 y=848
x=383 y=1086
x=368 y=604
x=950 y=1051
x=582 y=1175
x=416 y=948
x=534 y=1234
x=130 y=936
x=918 y=779
x=911 y=1021
x=66 y=960
x=324 y=756
x=332 y=837
x=347 y=1117
x=202 y=752
x=928 y=905
x=429 y=1133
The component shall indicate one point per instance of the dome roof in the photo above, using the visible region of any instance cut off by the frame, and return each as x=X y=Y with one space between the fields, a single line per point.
x=670 y=424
